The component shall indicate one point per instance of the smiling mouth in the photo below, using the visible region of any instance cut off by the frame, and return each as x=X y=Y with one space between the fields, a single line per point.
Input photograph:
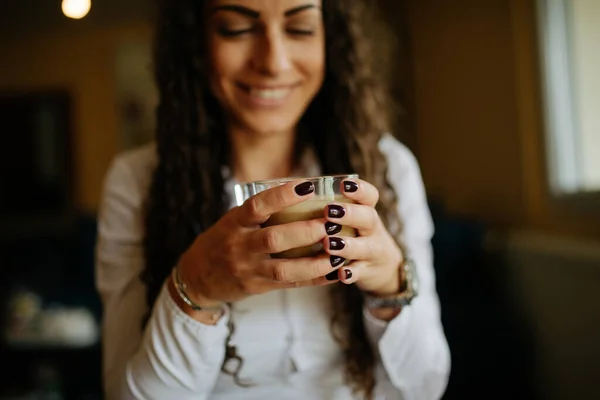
x=268 y=94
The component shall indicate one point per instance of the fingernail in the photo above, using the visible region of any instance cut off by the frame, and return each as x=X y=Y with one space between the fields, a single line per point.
x=332 y=229
x=348 y=274
x=332 y=276
x=304 y=189
x=335 y=211
x=336 y=261
x=336 y=243
x=350 y=186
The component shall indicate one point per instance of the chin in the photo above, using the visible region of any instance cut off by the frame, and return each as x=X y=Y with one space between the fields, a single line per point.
x=270 y=126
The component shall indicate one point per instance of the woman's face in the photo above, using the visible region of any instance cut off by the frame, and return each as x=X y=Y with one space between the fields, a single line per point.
x=267 y=59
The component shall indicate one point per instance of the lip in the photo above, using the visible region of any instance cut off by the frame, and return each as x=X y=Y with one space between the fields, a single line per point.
x=246 y=86
x=267 y=102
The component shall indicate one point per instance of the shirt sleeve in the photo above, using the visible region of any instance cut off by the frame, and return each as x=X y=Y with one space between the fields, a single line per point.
x=412 y=347
x=175 y=356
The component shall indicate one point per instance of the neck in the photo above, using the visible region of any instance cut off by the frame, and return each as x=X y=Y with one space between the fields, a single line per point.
x=258 y=157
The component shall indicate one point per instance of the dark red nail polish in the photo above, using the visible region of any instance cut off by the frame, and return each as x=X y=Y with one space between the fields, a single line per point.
x=332 y=276
x=336 y=243
x=304 y=189
x=348 y=274
x=335 y=211
x=336 y=261
x=332 y=229
x=350 y=186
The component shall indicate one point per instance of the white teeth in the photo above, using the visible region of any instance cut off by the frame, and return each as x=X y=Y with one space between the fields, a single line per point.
x=270 y=94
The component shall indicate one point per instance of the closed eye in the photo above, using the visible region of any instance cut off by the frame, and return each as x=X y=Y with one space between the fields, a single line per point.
x=301 y=32
x=234 y=32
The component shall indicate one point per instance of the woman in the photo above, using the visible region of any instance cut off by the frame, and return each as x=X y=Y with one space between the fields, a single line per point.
x=261 y=89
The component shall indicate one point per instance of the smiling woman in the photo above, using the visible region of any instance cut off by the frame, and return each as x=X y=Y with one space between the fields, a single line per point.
x=194 y=305
x=266 y=66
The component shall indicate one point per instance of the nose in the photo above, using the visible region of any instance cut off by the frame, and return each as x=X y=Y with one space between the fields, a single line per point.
x=272 y=55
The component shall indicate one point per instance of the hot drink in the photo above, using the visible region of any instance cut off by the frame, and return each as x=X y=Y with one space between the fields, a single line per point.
x=310 y=209
x=327 y=190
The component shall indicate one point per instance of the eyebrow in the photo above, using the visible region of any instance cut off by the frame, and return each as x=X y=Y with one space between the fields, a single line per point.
x=296 y=10
x=248 y=12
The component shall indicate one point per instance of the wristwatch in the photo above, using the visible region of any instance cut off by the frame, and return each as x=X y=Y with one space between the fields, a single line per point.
x=409 y=289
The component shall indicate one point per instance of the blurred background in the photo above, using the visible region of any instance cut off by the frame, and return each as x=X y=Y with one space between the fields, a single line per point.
x=501 y=102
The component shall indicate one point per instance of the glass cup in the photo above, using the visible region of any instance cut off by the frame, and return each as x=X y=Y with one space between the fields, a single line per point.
x=328 y=189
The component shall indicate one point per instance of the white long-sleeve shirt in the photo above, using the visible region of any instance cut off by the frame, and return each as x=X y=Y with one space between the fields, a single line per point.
x=283 y=336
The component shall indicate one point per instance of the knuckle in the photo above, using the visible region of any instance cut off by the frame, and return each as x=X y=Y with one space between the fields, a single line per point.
x=237 y=217
x=235 y=269
x=271 y=239
x=254 y=207
x=227 y=248
x=374 y=219
x=320 y=268
x=227 y=253
x=309 y=231
x=279 y=273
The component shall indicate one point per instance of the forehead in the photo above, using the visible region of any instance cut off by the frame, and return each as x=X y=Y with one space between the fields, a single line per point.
x=268 y=8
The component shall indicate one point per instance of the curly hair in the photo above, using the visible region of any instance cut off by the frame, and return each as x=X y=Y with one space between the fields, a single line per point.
x=350 y=113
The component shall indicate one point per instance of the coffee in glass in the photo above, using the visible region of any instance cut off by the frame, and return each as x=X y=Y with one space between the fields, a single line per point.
x=328 y=189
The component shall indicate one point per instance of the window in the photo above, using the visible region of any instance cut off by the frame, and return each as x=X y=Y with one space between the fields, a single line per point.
x=570 y=49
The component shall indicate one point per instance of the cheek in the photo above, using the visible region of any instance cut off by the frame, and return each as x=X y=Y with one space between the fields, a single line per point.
x=313 y=63
x=226 y=61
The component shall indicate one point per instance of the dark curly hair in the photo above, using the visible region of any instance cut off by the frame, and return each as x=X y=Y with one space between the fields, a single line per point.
x=350 y=114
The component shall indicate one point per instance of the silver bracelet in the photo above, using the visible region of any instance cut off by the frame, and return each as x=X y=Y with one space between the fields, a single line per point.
x=181 y=287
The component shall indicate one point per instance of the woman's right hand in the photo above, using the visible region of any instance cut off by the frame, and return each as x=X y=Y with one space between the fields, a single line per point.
x=230 y=261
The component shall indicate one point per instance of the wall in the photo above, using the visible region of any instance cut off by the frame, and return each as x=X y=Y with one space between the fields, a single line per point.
x=466 y=118
x=478 y=116
x=83 y=63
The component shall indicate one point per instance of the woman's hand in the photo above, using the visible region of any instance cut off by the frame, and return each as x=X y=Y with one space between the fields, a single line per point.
x=230 y=261
x=375 y=255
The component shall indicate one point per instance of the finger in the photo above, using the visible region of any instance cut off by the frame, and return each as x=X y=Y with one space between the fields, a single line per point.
x=359 y=248
x=347 y=275
x=322 y=281
x=278 y=238
x=363 y=218
x=360 y=191
x=260 y=285
x=258 y=208
x=350 y=274
x=299 y=269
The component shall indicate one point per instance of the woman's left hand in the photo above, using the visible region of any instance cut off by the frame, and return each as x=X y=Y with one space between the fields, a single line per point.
x=374 y=253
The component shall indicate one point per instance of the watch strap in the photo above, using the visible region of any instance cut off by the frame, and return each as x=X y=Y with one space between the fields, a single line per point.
x=408 y=290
